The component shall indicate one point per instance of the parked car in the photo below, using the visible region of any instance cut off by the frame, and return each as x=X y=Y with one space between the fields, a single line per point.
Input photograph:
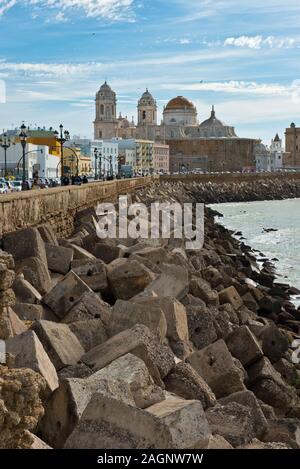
x=44 y=183
x=3 y=188
x=126 y=171
x=8 y=185
x=16 y=186
x=27 y=185
x=41 y=183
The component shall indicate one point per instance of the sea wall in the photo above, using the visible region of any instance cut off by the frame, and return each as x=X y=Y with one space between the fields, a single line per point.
x=58 y=206
x=219 y=188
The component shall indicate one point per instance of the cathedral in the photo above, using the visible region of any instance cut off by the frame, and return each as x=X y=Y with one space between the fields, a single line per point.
x=210 y=145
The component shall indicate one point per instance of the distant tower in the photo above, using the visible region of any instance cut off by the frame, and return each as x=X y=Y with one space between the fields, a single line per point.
x=147 y=110
x=276 y=150
x=276 y=144
x=105 y=124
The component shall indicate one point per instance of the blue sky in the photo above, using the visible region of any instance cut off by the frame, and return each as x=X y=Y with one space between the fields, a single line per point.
x=241 y=56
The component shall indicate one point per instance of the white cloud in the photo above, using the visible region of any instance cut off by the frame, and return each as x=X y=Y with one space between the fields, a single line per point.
x=264 y=111
x=113 y=10
x=6 y=5
x=60 y=17
x=237 y=87
x=92 y=68
x=257 y=42
x=185 y=41
x=50 y=68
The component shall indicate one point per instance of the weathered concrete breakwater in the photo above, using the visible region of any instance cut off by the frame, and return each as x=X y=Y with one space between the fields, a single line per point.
x=136 y=344
x=246 y=191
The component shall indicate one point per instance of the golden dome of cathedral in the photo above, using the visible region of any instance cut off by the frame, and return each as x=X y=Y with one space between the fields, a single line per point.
x=179 y=103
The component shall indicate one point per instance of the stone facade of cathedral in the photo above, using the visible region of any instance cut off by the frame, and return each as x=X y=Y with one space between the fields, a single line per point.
x=210 y=145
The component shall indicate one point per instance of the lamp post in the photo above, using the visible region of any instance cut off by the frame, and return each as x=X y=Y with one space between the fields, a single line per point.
x=61 y=137
x=100 y=164
x=5 y=143
x=110 y=166
x=23 y=139
x=96 y=163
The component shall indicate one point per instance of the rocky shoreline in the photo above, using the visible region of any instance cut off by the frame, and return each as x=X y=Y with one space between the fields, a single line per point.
x=245 y=191
x=144 y=344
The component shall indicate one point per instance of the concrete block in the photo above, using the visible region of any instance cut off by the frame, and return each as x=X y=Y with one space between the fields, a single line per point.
x=47 y=233
x=109 y=423
x=175 y=314
x=65 y=294
x=230 y=295
x=127 y=278
x=7 y=277
x=172 y=282
x=201 y=289
x=126 y=314
x=61 y=345
x=25 y=243
x=243 y=345
x=90 y=333
x=28 y=352
x=248 y=399
x=107 y=253
x=25 y=292
x=185 y=382
x=139 y=341
x=36 y=272
x=59 y=258
x=216 y=366
x=29 y=312
x=232 y=421
x=90 y=306
x=93 y=273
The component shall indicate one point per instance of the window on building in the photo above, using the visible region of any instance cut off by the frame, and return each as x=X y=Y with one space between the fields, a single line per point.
x=144 y=115
x=100 y=133
x=102 y=109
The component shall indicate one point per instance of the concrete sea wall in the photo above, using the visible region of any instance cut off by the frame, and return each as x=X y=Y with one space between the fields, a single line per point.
x=58 y=206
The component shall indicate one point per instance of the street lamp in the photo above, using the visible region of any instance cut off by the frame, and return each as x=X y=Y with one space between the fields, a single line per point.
x=110 y=166
x=5 y=143
x=96 y=163
x=61 y=138
x=23 y=139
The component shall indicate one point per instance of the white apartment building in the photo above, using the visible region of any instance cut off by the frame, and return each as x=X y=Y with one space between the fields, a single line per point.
x=108 y=153
x=38 y=161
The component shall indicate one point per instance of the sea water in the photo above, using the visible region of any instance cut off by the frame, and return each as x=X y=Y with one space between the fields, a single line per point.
x=251 y=218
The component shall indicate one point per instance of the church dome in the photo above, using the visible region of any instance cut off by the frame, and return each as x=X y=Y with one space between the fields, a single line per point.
x=105 y=87
x=123 y=122
x=212 y=121
x=179 y=103
x=147 y=99
x=213 y=127
x=180 y=112
x=147 y=95
x=106 y=92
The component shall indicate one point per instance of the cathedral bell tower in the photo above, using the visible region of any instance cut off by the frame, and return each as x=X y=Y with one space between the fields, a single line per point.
x=147 y=110
x=105 y=124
